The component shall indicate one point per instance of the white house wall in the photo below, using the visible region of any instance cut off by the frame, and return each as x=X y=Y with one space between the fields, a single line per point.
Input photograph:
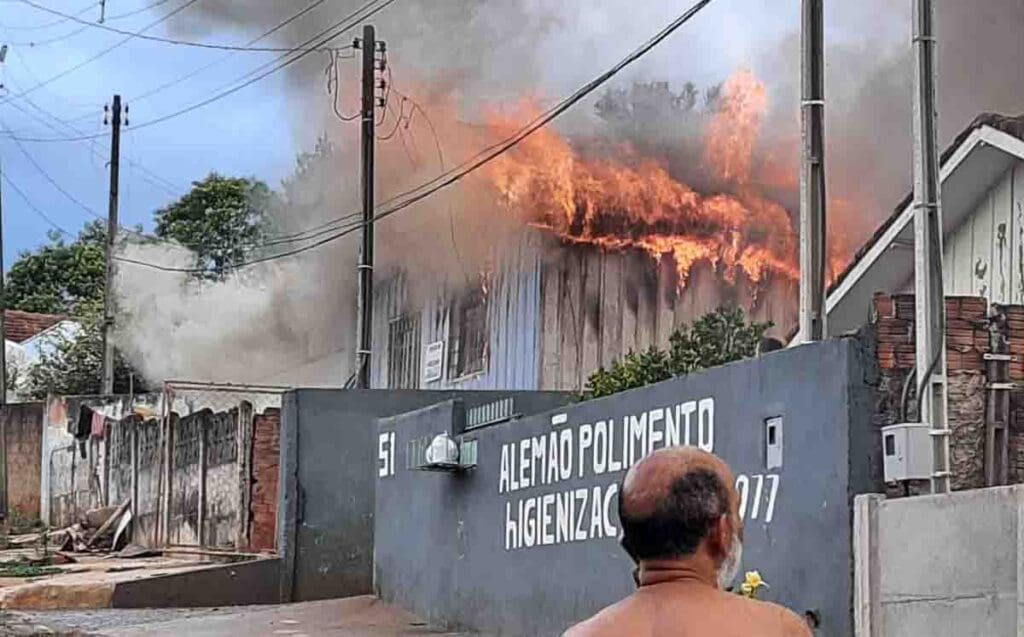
x=985 y=255
x=513 y=324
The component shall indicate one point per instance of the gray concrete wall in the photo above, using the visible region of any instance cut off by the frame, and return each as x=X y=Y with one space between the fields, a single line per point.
x=503 y=548
x=327 y=478
x=946 y=565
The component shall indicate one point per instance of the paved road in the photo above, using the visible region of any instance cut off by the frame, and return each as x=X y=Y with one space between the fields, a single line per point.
x=354 y=617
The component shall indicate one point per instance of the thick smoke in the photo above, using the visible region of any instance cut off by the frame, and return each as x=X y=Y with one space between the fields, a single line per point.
x=458 y=58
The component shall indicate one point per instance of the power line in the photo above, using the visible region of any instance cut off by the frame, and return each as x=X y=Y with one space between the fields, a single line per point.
x=53 y=40
x=47 y=25
x=410 y=197
x=325 y=35
x=155 y=38
x=72 y=69
x=35 y=208
x=187 y=76
x=191 y=74
x=135 y=12
x=147 y=175
x=53 y=182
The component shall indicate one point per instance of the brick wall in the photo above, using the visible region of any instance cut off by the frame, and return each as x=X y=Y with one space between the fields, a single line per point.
x=967 y=342
x=22 y=447
x=263 y=500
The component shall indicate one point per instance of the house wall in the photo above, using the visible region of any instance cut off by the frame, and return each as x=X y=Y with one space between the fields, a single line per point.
x=22 y=427
x=513 y=321
x=985 y=256
x=557 y=313
x=599 y=305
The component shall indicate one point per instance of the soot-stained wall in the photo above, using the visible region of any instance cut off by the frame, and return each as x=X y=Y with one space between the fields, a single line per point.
x=526 y=543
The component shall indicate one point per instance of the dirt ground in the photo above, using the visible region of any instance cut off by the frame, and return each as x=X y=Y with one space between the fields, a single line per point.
x=354 y=617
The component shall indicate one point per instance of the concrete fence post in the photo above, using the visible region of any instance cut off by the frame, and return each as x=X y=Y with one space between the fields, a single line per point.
x=866 y=573
x=1020 y=560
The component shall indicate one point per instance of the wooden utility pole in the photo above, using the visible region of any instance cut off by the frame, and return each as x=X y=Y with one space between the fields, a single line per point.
x=928 y=285
x=368 y=112
x=108 y=290
x=812 y=176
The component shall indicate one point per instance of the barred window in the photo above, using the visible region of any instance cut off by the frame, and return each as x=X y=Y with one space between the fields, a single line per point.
x=404 y=352
x=467 y=339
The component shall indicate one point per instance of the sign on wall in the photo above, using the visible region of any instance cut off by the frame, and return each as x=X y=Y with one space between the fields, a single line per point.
x=433 y=362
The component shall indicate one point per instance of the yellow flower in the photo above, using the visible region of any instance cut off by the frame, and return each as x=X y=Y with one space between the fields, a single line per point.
x=746 y=589
x=754 y=580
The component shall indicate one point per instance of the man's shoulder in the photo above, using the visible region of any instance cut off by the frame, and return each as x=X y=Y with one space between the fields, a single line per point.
x=790 y=624
x=610 y=621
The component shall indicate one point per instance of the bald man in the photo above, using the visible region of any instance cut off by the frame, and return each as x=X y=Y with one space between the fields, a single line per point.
x=680 y=523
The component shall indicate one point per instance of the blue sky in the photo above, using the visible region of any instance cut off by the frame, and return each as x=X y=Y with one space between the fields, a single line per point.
x=257 y=131
x=247 y=133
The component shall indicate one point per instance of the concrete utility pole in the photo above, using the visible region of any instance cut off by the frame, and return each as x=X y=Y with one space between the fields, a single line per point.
x=368 y=112
x=3 y=306
x=928 y=284
x=812 y=177
x=108 y=296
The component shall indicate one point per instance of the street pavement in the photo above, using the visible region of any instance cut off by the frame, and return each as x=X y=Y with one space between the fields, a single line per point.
x=353 y=617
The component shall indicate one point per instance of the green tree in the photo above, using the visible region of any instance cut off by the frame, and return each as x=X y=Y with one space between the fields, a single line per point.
x=59 y=276
x=222 y=219
x=714 y=339
x=72 y=362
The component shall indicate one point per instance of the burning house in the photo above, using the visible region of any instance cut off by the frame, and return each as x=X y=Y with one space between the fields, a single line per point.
x=612 y=250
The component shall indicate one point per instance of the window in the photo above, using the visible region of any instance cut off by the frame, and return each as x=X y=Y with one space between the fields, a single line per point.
x=467 y=335
x=403 y=353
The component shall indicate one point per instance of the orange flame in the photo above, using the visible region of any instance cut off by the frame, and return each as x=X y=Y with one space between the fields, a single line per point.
x=632 y=202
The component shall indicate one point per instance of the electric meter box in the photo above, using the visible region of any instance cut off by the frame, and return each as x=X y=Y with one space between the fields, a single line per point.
x=907 y=452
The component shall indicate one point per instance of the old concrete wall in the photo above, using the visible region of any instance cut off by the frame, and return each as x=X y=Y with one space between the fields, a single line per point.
x=329 y=458
x=22 y=425
x=940 y=565
x=524 y=544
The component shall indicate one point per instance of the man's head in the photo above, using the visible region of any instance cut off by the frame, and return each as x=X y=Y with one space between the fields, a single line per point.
x=678 y=503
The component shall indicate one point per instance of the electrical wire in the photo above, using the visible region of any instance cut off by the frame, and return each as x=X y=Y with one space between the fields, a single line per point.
x=47 y=25
x=50 y=179
x=191 y=74
x=245 y=84
x=139 y=35
x=135 y=12
x=53 y=40
x=408 y=198
x=116 y=45
x=34 y=207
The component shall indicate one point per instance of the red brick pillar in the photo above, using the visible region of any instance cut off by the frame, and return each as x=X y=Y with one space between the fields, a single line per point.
x=265 y=461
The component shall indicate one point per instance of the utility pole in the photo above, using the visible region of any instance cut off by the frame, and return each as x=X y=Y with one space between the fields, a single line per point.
x=928 y=285
x=812 y=176
x=108 y=291
x=368 y=109
x=3 y=306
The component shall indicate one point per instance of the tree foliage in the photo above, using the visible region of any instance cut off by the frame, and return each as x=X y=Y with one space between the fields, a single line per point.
x=58 y=277
x=221 y=219
x=715 y=339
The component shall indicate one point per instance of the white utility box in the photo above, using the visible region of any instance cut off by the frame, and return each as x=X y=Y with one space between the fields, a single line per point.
x=907 y=452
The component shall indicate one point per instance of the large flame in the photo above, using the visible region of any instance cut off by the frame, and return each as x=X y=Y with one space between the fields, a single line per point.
x=632 y=202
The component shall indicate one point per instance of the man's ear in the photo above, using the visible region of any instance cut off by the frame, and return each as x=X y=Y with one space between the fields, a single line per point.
x=721 y=536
